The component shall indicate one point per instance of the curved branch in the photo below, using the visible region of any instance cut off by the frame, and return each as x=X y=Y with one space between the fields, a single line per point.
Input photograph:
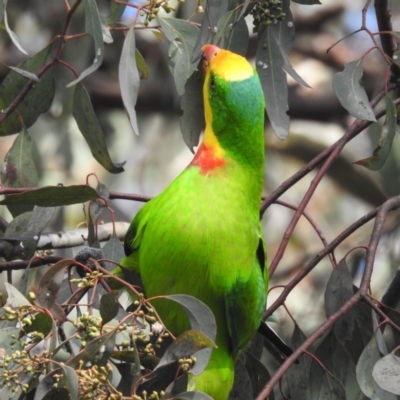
x=382 y=211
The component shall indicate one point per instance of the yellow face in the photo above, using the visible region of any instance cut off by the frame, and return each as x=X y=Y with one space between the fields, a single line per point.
x=229 y=66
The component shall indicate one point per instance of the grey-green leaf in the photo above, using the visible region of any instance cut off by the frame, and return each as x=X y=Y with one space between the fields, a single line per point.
x=386 y=373
x=233 y=33
x=109 y=306
x=53 y=196
x=129 y=79
x=192 y=120
x=70 y=378
x=19 y=169
x=91 y=130
x=37 y=101
x=298 y=381
x=182 y=35
x=12 y=35
x=26 y=74
x=364 y=369
x=93 y=28
x=269 y=64
x=338 y=291
x=381 y=152
x=350 y=92
x=185 y=345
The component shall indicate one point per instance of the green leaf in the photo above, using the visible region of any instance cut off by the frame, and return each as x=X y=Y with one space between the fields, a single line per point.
x=182 y=35
x=53 y=196
x=215 y=9
x=386 y=373
x=96 y=352
x=337 y=360
x=70 y=379
x=42 y=323
x=19 y=242
x=129 y=79
x=141 y=65
x=185 y=345
x=200 y=316
x=299 y=384
x=37 y=101
x=350 y=92
x=363 y=329
x=93 y=28
x=19 y=169
x=15 y=297
x=12 y=35
x=381 y=152
x=113 y=250
x=258 y=373
x=233 y=33
x=201 y=319
x=116 y=11
x=274 y=45
x=46 y=390
x=338 y=291
x=24 y=73
x=49 y=287
x=109 y=306
x=365 y=366
x=90 y=128
x=192 y=120
x=107 y=37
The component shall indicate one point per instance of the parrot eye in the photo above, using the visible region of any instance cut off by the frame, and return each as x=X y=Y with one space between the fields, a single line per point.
x=212 y=83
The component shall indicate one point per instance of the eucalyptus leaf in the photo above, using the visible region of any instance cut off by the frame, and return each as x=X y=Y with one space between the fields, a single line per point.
x=299 y=384
x=386 y=373
x=215 y=9
x=201 y=319
x=49 y=287
x=116 y=11
x=19 y=169
x=53 y=196
x=113 y=250
x=37 y=101
x=269 y=64
x=12 y=35
x=338 y=291
x=350 y=92
x=381 y=152
x=185 y=345
x=70 y=379
x=109 y=306
x=129 y=79
x=93 y=28
x=26 y=74
x=182 y=35
x=337 y=360
x=369 y=357
x=96 y=352
x=192 y=120
x=91 y=130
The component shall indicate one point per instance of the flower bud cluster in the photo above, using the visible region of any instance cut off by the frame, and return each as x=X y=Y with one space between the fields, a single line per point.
x=267 y=12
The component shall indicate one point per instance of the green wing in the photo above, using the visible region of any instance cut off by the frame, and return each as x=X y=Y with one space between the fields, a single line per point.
x=245 y=303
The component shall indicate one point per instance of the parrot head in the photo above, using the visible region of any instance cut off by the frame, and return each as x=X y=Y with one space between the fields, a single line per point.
x=233 y=106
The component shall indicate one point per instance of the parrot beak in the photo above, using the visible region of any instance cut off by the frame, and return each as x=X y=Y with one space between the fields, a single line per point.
x=210 y=51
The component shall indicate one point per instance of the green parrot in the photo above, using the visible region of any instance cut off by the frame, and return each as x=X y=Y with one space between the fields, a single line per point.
x=202 y=235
